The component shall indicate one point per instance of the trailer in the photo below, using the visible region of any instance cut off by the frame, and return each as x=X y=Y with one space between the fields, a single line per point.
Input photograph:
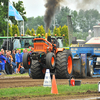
x=86 y=60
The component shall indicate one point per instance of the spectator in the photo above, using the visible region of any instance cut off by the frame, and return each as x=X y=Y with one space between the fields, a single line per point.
x=8 y=64
x=13 y=62
x=30 y=51
x=25 y=50
x=10 y=56
x=6 y=52
x=20 y=65
x=17 y=60
x=0 y=64
x=21 y=69
x=2 y=51
x=20 y=56
x=13 y=55
x=2 y=61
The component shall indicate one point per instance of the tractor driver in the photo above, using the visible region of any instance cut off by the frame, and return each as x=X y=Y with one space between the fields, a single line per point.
x=52 y=42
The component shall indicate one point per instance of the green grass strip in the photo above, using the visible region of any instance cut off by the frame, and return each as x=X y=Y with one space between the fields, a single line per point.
x=16 y=75
x=40 y=91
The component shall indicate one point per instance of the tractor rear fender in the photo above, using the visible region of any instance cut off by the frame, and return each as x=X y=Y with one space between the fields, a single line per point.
x=59 y=49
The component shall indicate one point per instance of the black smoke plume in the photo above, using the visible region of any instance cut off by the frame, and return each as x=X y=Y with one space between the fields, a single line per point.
x=51 y=6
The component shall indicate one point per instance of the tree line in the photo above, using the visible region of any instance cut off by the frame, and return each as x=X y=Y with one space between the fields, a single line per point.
x=82 y=21
x=41 y=31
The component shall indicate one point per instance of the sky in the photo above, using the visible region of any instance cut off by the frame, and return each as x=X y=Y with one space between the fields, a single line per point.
x=36 y=8
x=33 y=8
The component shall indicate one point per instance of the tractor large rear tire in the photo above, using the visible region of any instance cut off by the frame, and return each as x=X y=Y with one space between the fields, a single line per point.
x=36 y=70
x=64 y=68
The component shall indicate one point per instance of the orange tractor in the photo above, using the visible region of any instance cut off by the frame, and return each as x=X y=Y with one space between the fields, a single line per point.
x=47 y=54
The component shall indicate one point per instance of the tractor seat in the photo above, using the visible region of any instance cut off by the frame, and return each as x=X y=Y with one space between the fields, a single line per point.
x=49 y=38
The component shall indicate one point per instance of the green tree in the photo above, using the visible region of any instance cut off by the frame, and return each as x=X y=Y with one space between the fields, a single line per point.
x=60 y=28
x=3 y=22
x=32 y=32
x=40 y=30
x=10 y=30
x=28 y=32
x=62 y=16
x=64 y=30
x=57 y=31
x=87 y=19
x=74 y=18
x=80 y=35
x=34 y=22
x=4 y=33
x=82 y=20
x=49 y=32
x=15 y=30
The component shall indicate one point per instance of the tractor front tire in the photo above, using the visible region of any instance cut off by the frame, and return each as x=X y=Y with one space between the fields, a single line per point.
x=26 y=61
x=50 y=60
x=64 y=68
x=36 y=70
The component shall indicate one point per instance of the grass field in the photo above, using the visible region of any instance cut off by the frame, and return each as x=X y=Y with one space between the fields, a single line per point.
x=40 y=91
x=16 y=75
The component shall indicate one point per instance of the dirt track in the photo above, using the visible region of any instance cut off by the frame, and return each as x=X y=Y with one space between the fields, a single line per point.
x=25 y=81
